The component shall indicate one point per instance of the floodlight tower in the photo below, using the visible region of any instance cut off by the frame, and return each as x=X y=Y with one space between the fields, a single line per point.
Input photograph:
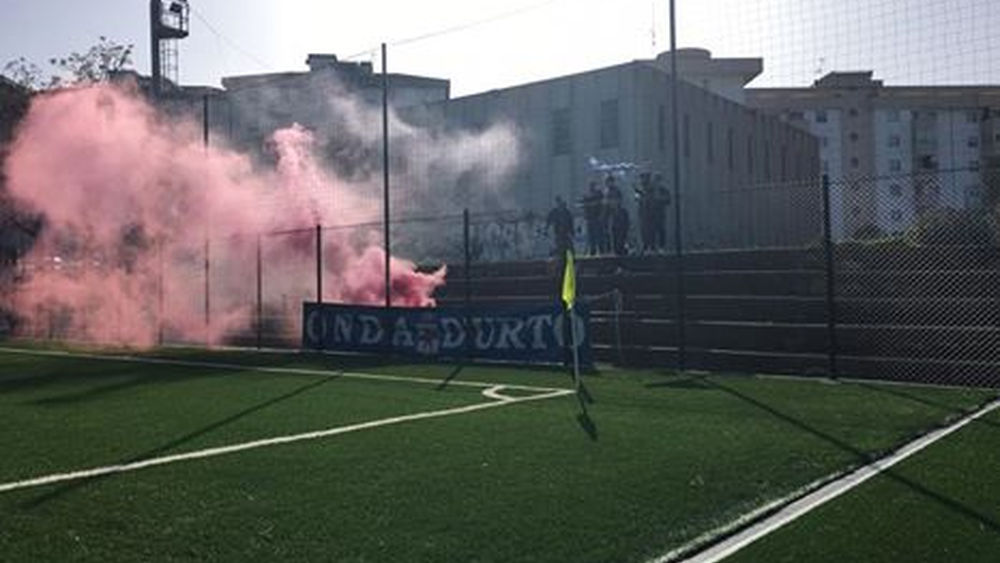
x=168 y=22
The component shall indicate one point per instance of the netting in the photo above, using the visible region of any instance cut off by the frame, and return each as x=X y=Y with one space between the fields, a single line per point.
x=706 y=234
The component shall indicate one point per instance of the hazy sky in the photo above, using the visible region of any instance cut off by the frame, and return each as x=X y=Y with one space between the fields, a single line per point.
x=489 y=43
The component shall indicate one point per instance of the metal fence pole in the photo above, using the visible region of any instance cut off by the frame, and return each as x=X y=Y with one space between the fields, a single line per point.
x=159 y=293
x=385 y=176
x=468 y=280
x=208 y=293
x=319 y=263
x=260 y=294
x=468 y=257
x=831 y=302
x=678 y=243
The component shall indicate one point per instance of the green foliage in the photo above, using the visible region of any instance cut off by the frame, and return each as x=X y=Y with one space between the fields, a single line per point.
x=97 y=64
x=953 y=227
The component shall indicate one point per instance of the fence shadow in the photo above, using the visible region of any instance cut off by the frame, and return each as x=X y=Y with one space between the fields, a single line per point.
x=861 y=456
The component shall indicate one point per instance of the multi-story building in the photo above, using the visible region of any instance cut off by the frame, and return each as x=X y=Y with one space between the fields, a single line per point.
x=893 y=153
x=259 y=104
x=621 y=114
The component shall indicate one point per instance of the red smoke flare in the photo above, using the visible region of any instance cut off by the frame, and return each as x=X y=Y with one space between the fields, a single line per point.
x=128 y=200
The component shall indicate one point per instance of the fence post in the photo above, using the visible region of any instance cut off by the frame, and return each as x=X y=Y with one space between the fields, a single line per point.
x=159 y=293
x=319 y=263
x=260 y=295
x=208 y=293
x=466 y=242
x=385 y=179
x=468 y=256
x=678 y=231
x=831 y=303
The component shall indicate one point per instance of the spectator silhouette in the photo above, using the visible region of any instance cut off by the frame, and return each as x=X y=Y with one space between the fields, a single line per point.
x=560 y=221
x=593 y=214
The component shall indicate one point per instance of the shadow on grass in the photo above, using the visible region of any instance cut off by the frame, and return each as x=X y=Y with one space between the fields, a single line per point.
x=451 y=376
x=954 y=410
x=693 y=383
x=74 y=485
x=984 y=520
x=587 y=424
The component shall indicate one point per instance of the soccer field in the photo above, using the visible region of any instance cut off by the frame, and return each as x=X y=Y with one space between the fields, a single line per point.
x=230 y=455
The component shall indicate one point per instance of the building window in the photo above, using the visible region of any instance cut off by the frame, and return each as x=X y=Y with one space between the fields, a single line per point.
x=821 y=116
x=855 y=211
x=609 y=124
x=729 y=148
x=892 y=115
x=561 y=135
x=972 y=116
x=853 y=112
x=972 y=142
x=896 y=190
x=853 y=136
x=795 y=115
x=897 y=215
x=825 y=166
x=854 y=162
x=824 y=141
x=709 y=142
x=895 y=165
x=661 y=136
x=973 y=165
x=686 y=132
x=894 y=140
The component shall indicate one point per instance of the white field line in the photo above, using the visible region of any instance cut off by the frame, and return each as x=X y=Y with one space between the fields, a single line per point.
x=492 y=392
x=295 y=371
x=798 y=508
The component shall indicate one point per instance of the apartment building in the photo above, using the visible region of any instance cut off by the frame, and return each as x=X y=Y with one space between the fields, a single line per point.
x=893 y=153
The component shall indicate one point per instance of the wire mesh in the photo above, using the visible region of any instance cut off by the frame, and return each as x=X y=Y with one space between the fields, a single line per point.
x=916 y=278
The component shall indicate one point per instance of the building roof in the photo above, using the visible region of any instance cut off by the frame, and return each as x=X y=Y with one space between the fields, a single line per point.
x=358 y=72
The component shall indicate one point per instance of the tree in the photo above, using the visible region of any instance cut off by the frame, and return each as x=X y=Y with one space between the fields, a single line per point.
x=97 y=64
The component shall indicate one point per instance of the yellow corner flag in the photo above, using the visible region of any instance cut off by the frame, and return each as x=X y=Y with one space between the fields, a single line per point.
x=569 y=281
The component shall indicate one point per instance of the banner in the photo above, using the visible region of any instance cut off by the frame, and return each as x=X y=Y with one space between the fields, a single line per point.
x=513 y=334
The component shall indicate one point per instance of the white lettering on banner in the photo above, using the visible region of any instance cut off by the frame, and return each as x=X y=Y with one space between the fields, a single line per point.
x=401 y=335
x=509 y=334
x=484 y=338
x=371 y=329
x=316 y=333
x=428 y=339
x=342 y=328
x=537 y=325
x=454 y=333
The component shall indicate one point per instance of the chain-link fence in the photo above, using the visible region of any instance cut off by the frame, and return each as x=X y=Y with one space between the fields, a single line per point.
x=891 y=277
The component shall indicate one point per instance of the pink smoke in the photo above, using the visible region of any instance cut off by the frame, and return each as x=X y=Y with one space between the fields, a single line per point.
x=129 y=199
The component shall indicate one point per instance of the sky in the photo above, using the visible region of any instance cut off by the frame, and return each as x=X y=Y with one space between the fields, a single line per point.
x=486 y=44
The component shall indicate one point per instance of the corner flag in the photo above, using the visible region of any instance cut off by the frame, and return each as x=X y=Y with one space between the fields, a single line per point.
x=569 y=281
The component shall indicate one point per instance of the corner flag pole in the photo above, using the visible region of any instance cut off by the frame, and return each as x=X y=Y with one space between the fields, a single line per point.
x=569 y=297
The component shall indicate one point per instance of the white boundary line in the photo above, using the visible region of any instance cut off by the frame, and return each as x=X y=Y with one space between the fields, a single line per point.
x=798 y=508
x=490 y=390
x=267 y=369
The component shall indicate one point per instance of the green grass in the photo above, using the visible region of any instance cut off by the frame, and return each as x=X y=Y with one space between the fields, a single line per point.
x=660 y=460
x=943 y=504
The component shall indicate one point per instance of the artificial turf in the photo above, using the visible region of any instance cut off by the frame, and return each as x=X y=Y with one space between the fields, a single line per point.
x=943 y=504
x=658 y=460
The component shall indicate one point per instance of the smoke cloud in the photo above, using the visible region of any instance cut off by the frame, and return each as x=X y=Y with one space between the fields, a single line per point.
x=132 y=203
